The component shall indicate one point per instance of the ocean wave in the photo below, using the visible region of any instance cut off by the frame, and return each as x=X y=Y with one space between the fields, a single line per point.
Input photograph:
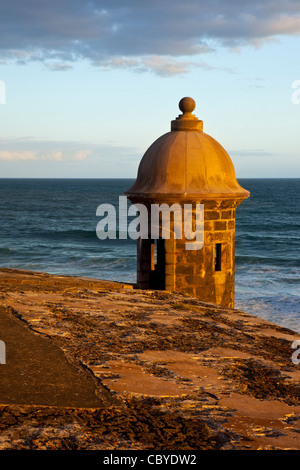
x=281 y=309
x=269 y=236
x=272 y=261
x=73 y=233
x=6 y=251
x=82 y=235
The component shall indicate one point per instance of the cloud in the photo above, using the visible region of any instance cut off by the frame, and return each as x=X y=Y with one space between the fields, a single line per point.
x=30 y=149
x=143 y=35
x=166 y=67
x=57 y=156
x=58 y=66
x=13 y=156
x=163 y=66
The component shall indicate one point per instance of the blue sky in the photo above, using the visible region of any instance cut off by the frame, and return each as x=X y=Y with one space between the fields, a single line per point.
x=87 y=86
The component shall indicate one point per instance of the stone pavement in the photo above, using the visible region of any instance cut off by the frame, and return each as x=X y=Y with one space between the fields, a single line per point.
x=36 y=372
x=93 y=364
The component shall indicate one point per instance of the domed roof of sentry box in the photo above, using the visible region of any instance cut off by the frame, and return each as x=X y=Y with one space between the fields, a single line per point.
x=186 y=163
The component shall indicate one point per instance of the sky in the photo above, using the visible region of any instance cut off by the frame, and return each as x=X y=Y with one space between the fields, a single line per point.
x=86 y=86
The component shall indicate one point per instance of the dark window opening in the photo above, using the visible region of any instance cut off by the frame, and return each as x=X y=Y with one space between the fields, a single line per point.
x=218 y=252
x=153 y=255
x=158 y=268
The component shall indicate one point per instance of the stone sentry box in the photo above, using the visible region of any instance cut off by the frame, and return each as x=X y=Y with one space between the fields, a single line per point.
x=187 y=166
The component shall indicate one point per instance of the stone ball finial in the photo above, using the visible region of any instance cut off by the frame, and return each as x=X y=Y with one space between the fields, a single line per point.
x=187 y=105
x=187 y=121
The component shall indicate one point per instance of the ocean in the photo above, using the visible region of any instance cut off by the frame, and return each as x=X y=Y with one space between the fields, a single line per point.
x=49 y=225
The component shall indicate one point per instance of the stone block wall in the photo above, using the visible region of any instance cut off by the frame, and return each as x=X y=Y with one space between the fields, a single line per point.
x=195 y=272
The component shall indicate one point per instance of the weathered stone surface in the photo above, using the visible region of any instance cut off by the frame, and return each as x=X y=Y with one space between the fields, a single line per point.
x=183 y=374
